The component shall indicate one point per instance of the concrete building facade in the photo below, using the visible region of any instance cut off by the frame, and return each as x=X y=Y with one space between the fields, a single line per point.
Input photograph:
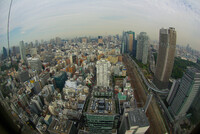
x=35 y=64
x=165 y=60
x=22 y=51
x=103 y=73
x=187 y=91
x=142 y=49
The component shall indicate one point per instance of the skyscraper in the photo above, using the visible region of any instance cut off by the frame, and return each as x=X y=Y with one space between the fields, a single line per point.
x=103 y=73
x=123 y=49
x=165 y=60
x=100 y=40
x=125 y=37
x=186 y=93
x=134 y=48
x=128 y=40
x=130 y=43
x=131 y=39
x=5 y=54
x=142 y=49
x=22 y=51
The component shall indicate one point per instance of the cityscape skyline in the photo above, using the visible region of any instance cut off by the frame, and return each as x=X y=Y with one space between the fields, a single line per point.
x=101 y=85
x=66 y=19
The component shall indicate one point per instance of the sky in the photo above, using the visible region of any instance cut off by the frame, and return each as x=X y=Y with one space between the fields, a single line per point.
x=32 y=20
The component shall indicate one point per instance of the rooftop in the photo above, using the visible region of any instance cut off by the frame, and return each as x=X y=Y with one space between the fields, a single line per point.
x=105 y=106
x=59 y=126
x=137 y=117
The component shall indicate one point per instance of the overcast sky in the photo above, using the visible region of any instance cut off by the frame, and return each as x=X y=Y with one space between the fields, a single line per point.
x=45 y=19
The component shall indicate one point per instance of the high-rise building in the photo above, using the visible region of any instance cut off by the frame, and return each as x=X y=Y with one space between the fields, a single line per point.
x=186 y=93
x=128 y=42
x=84 y=40
x=33 y=51
x=35 y=64
x=22 y=51
x=173 y=91
x=60 y=78
x=124 y=47
x=134 y=48
x=102 y=114
x=100 y=40
x=23 y=76
x=165 y=60
x=5 y=54
x=131 y=40
x=58 y=41
x=134 y=121
x=142 y=49
x=62 y=126
x=103 y=73
x=195 y=109
x=14 y=52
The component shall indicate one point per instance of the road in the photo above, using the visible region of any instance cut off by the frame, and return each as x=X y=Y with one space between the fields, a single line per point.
x=157 y=125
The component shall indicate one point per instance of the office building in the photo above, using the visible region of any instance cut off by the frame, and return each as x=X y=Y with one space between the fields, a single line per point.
x=84 y=40
x=123 y=47
x=100 y=40
x=173 y=91
x=142 y=48
x=103 y=73
x=130 y=43
x=35 y=64
x=102 y=115
x=44 y=78
x=73 y=59
x=134 y=48
x=5 y=54
x=33 y=51
x=60 y=78
x=14 y=51
x=165 y=60
x=187 y=91
x=23 y=76
x=58 y=41
x=37 y=87
x=134 y=121
x=62 y=126
x=125 y=37
x=22 y=51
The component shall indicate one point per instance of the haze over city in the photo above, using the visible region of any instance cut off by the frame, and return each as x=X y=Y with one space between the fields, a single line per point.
x=31 y=20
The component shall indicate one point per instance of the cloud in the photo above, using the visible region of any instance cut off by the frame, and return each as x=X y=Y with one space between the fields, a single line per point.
x=69 y=18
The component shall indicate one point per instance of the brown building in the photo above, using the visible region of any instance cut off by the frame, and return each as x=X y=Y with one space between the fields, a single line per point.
x=130 y=42
x=84 y=40
x=100 y=40
x=165 y=60
x=71 y=69
x=120 y=58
